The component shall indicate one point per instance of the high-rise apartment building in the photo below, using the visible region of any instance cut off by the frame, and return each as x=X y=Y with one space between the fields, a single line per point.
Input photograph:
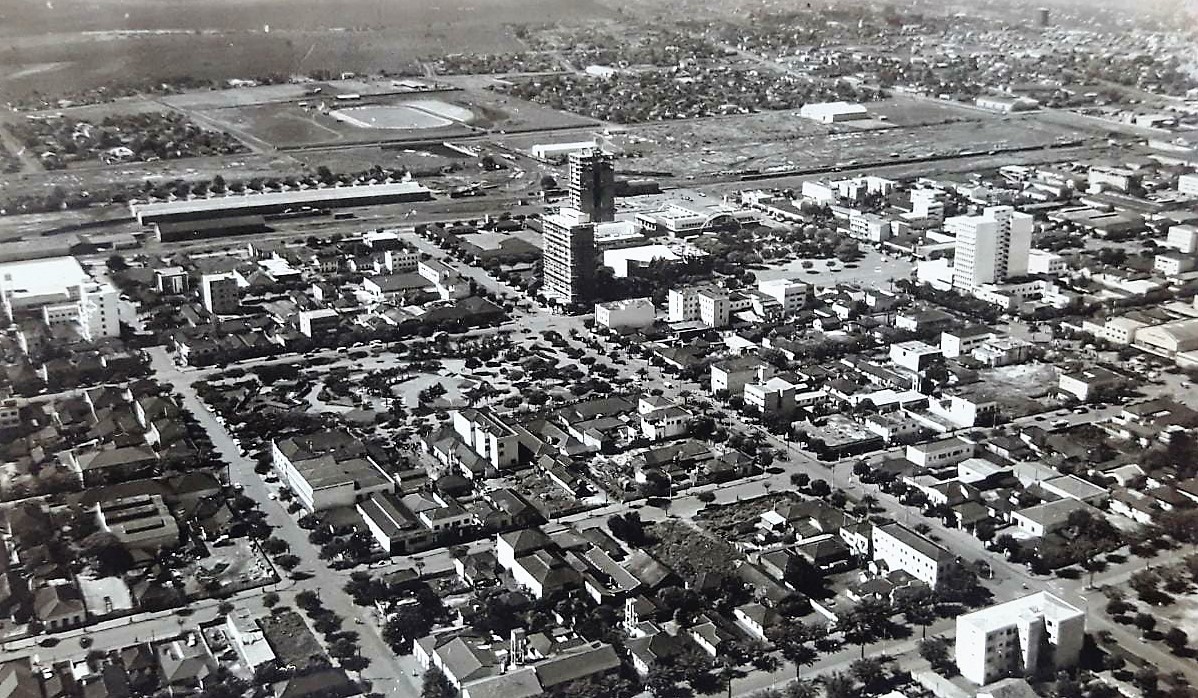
x=592 y=188
x=991 y=247
x=568 y=246
x=568 y=258
x=1024 y=636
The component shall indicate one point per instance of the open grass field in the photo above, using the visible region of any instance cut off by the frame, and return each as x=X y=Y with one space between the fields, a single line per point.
x=65 y=46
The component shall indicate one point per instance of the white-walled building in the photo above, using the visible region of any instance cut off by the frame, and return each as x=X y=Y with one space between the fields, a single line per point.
x=903 y=549
x=1039 y=631
x=1187 y=184
x=1045 y=262
x=1183 y=238
x=791 y=294
x=59 y=292
x=990 y=247
x=1172 y=265
x=631 y=313
x=714 y=308
x=914 y=355
x=220 y=293
x=488 y=436
x=833 y=112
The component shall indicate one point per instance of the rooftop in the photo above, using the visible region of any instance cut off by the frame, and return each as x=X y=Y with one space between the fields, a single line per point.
x=1042 y=605
x=42 y=277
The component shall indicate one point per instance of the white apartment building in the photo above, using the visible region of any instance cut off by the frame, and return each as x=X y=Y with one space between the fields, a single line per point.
x=220 y=294
x=631 y=313
x=928 y=204
x=990 y=247
x=714 y=308
x=1183 y=238
x=963 y=341
x=1036 y=632
x=789 y=293
x=683 y=304
x=488 y=436
x=1045 y=262
x=903 y=549
x=869 y=227
x=1187 y=184
x=914 y=355
x=58 y=291
x=1116 y=330
x=1172 y=265
x=568 y=256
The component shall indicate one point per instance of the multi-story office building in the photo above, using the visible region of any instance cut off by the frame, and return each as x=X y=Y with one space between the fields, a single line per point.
x=219 y=293
x=1024 y=636
x=991 y=247
x=592 y=188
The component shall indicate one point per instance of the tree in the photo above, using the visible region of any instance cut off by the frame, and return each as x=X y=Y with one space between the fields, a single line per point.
x=918 y=609
x=275 y=546
x=1145 y=622
x=436 y=685
x=308 y=600
x=270 y=599
x=800 y=689
x=356 y=663
x=869 y=671
x=934 y=649
x=794 y=639
x=406 y=625
x=839 y=685
x=866 y=623
x=1176 y=638
x=116 y=263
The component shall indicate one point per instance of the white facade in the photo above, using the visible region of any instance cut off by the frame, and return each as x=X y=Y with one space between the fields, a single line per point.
x=1183 y=238
x=903 y=549
x=624 y=314
x=714 y=308
x=790 y=294
x=990 y=247
x=1187 y=184
x=914 y=355
x=59 y=292
x=1010 y=639
x=1172 y=264
x=1045 y=262
x=683 y=304
x=489 y=437
x=833 y=112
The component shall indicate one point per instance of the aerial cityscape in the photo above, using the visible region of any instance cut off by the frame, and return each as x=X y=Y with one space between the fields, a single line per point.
x=598 y=349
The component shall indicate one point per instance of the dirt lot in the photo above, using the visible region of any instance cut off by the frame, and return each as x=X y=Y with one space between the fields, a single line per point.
x=783 y=140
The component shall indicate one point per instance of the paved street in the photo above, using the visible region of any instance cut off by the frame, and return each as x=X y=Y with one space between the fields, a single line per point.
x=398 y=676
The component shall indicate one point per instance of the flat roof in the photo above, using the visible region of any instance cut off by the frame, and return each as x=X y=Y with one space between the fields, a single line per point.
x=1041 y=604
x=226 y=205
x=42 y=277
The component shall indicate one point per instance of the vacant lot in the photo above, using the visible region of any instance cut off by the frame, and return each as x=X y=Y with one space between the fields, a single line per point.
x=783 y=140
x=689 y=551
